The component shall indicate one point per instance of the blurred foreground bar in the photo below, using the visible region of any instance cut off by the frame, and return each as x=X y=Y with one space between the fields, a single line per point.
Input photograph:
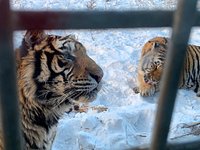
x=8 y=93
x=183 y=21
x=185 y=18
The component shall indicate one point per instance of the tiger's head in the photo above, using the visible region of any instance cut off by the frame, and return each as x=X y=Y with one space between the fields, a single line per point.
x=56 y=69
x=152 y=60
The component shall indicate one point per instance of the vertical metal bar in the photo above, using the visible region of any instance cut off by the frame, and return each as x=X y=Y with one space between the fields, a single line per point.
x=183 y=20
x=8 y=95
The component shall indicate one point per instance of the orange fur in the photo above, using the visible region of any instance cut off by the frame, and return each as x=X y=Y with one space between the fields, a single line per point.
x=151 y=67
x=144 y=88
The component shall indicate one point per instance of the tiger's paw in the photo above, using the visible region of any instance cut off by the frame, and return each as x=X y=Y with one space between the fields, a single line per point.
x=144 y=91
x=136 y=90
x=147 y=92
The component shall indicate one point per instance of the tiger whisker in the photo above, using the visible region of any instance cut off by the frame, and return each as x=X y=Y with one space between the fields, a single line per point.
x=76 y=96
x=43 y=94
x=60 y=100
x=105 y=89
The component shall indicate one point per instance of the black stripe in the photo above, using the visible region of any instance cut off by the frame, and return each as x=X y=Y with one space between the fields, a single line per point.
x=37 y=64
x=166 y=40
x=195 y=49
x=39 y=119
x=65 y=42
x=188 y=76
x=69 y=75
x=52 y=47
x=193 y=74
x=31 y=145
x=83 y=84
x=49 y=62
x=40 y=85
x=197 y=58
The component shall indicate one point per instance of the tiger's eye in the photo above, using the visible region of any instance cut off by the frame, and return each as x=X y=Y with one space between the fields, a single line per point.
x=61 y=63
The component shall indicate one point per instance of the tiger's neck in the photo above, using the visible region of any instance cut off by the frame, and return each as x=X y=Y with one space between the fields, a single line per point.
x=38 y=124
x=39 y=121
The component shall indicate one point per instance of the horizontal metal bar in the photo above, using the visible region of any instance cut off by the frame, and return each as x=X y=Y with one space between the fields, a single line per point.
x=8 y=93
x=184 y=19
x=91 y=19
x=177 y=145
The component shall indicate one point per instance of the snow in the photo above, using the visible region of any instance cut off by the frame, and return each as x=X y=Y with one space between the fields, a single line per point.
x=129 y=119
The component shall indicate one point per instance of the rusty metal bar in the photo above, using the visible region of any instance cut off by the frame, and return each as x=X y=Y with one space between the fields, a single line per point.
x=91 y=19
x=8 y=95
x=184 y=19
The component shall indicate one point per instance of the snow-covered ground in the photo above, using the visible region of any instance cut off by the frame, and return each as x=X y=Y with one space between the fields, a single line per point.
x=129 y=119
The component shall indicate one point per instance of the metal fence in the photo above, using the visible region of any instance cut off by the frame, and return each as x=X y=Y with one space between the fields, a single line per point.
x=181 y=20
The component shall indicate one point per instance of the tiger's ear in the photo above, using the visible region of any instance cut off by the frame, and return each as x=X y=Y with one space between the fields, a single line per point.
x=30 y=38
x=33 y=37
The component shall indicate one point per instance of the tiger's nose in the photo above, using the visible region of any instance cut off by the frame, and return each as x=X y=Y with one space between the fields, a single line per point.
x=97 y=77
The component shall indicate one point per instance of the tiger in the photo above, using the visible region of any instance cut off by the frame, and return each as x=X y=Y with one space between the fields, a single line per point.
x=54 y=74
x=151 y=66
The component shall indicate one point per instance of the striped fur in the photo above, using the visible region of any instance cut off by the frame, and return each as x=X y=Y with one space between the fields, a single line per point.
x=152 y=63
x=54 y=74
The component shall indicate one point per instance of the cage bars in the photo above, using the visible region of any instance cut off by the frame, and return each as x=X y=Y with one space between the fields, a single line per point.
x=183 y=22
x=8 y=95
x=91 y=19
x=185 y=18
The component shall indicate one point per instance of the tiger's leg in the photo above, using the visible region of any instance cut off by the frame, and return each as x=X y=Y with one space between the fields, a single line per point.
x=143 y=88
x=147 y=90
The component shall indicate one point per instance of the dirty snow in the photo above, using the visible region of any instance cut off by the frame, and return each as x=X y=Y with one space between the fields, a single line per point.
x=129 y=119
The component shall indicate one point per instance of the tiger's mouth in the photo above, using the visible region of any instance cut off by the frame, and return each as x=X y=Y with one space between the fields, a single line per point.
x=88 y=96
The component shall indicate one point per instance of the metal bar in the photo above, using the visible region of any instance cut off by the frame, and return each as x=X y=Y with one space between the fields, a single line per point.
x=184 y=19
x=178 y=145
x=8 y=95
x=91 y=19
